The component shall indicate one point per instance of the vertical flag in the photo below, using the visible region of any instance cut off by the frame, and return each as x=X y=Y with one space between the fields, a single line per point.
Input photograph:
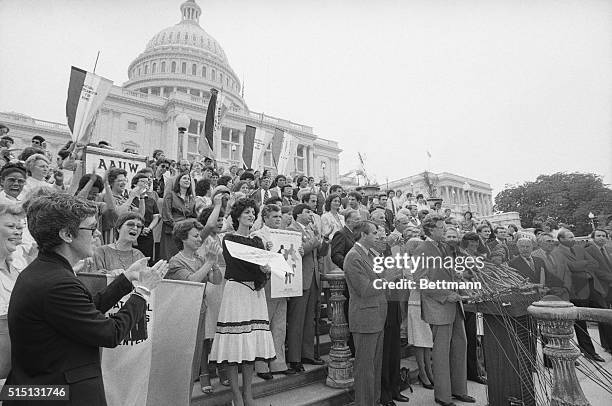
x=247 y=149
x=205 y=146
x=262 y=139
x=286 y=152
x=86 y=93
x=277 y=145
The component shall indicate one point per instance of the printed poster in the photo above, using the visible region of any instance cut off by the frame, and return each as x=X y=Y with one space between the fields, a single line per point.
x=287 y=243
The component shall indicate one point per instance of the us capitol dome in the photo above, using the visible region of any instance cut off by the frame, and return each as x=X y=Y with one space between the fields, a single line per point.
x=186 y=58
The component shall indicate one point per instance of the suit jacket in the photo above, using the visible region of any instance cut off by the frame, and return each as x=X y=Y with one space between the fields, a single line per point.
x=435 y=307
x=256 y=195
x=57 y=329
x=604 y=269
x=493 y=244
x=309 y=260
x=550 y=279
x=321 y=202
x=367 y=305
x=577 y=268
x=341 y=244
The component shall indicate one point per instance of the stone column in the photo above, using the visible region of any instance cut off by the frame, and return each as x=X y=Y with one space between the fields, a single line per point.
x=556 y=321
x=339 y=367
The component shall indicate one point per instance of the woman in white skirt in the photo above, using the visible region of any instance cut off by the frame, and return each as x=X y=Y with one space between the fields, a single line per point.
x=419 y=335
x=243 y=330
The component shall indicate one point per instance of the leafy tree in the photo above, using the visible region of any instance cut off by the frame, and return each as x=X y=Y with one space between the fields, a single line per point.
x=558 y=198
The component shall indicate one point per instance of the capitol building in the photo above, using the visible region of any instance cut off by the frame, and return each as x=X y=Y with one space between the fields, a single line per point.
x=173 y=76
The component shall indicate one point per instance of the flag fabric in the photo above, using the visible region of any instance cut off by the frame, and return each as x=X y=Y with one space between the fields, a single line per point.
x=286 y=153
x=206 y=144
x=157 y=366
x=277 y=145
x=262 y=140
x=86 y=93
x=247 y=149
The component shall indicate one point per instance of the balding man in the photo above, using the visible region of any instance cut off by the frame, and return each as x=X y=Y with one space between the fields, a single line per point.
x=586 y=290
x=378 y=217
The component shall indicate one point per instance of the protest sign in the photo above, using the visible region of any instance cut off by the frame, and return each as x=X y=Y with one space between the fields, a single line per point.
x=104 y=159
x=287 y=243
x=155 y=363
x=257 y=256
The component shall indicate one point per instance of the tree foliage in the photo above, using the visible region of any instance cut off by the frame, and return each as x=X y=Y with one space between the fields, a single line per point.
x=561 y=197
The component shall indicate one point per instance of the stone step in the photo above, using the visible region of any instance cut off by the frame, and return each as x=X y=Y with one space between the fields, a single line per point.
x=261 y=388
x=315 y=394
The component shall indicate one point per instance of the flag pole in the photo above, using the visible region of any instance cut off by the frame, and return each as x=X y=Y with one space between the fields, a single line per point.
x=96 y=63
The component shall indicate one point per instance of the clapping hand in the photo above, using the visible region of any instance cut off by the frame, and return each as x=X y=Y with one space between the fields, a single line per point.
x=133 y=272
x=269 y=245
x=150 y=277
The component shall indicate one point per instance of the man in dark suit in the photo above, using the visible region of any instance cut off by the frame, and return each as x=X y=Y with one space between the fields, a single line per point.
x=263 y=193
x=579 y=269
x=501 y=233
x=443 y=310
x=322 y=195
x=535 y=269
x=301 y=309
x=389 y=214
x=341 y=244
x=57 y=327
x=597 y=250
x=368 y=311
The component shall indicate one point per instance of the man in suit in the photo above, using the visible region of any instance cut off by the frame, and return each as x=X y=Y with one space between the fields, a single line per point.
x=341 y=244
x=263 y=193
x=57 y=327
x=597 y=250
x=501 y=234
x=536 y=270
x=579 y=271
x=322 y=195
x=389 y=214
x=443 y=310
x=311 y=200
x=353 y=203
x=367 y=312
x=301 y=309
x=287 y=195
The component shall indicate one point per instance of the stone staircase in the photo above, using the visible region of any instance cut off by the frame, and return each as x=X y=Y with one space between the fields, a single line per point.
x=302 y=389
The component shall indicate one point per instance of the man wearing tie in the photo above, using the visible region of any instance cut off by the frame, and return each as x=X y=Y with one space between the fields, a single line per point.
x=579 y=270
x=322 y=196
x=263 y=193
x=368 y=312
x=599 y=252
x=535 y=269
x=443 y=310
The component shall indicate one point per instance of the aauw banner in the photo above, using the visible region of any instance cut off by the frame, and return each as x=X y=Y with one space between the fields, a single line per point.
x=153 y=365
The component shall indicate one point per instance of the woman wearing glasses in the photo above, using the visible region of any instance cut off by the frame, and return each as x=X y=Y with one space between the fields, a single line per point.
x=120 y=254
x=13 y=179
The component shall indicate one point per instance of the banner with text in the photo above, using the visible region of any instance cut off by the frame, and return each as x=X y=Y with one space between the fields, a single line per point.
x=154 y=365
x=260 y=144
x=104 y=159
x=289 y=146
x=287 y=243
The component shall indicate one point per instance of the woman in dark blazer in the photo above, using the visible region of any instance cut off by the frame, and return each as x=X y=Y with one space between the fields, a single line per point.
x=178 y=205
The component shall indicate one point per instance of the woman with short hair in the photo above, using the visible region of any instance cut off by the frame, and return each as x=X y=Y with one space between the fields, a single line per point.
x=13 y=179
x=37 y=168
x=114 y=258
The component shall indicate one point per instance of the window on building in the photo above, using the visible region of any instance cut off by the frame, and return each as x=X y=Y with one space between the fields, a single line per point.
x=186 y=36
x=300 y=158
x=203 y=71
x=146 y=69
x=213 y=75
x=163 y=37
x=192 y=144
x=184 y=67
x=155 y=91
x=194 y=68
x=173 y=67
x=138 y=71
x=163 y=67
x=193 y=126
x=220 y=77
x=193 y=38
x=231 y=148
x=227 y=82
x=132 y=125
x=153 y=67
x=170 y=38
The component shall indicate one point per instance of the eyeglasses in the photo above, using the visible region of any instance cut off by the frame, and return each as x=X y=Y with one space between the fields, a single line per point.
x=93 y=230
x=15 y=180
x=134 y=225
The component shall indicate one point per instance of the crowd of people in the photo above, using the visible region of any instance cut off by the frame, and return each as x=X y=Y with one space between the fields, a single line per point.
x=173 y=219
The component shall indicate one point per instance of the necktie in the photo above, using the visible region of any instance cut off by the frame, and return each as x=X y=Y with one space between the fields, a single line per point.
x=551 y=259
x=392 y=206
x=606 y=258
x=266 y=195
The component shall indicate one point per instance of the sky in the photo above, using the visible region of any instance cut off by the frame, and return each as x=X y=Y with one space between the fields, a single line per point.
x=496 y=90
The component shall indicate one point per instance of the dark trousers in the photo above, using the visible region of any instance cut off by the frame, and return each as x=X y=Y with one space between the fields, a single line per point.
x=580 y=326
x=145 y=245
x=390 y=376
x=351 y=342
x=472 y=346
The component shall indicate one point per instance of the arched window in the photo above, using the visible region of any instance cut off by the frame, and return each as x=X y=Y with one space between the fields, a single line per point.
x=227 y=82
x=213 y=75
x=163 y=67
x=178 y=37
x=203 y=71
x=194 y=69
x=186 y=36
x=173 y=67
x=221 y=77
x=193 y=38
x=184 y=67
x=163 y=37
x=146 y=69
x=138 y=71
x=170 y=38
